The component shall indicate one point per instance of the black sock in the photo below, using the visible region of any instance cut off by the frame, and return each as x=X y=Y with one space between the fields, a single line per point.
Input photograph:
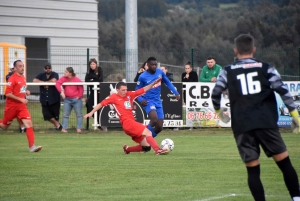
x=255 y=184
x=290 y=176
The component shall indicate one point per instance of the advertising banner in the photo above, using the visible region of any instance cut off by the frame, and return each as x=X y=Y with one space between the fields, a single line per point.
x=285 y=119
x=172 y=107
x=200 y=112
x=199 y=108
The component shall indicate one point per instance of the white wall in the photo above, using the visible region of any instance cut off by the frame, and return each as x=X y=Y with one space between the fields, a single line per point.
x=68 y=24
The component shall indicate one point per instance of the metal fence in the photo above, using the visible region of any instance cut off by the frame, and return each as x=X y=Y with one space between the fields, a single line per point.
x=114 y=65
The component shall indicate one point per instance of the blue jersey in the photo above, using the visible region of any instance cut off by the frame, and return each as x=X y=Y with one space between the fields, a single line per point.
x=153 y=94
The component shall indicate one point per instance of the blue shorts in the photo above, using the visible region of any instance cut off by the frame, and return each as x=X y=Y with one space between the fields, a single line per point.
x=159 y=109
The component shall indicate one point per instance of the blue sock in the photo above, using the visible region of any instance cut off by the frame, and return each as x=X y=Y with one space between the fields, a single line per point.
x=152 y=130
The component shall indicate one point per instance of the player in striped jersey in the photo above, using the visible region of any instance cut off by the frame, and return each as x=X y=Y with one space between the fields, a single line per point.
x=254 y=114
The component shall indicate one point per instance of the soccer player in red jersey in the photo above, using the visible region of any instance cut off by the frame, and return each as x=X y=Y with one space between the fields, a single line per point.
x=16 y=104
x=122 y=102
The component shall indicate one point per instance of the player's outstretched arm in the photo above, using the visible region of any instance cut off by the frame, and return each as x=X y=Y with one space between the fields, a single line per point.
x=146 y=88
x=98 y=107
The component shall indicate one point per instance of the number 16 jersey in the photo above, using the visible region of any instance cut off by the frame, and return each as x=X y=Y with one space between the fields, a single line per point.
x=251 y=85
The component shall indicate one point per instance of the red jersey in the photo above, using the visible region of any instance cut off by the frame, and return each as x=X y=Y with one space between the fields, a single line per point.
x=123 y=105
x=17 y=86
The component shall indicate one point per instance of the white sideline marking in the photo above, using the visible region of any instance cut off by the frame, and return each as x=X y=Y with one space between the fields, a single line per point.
x=232 y=195
x=216 y=198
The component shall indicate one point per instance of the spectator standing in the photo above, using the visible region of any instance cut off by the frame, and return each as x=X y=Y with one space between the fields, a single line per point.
x=49 y=96
x=11 y=71
x=122 y=101
x=72 y=95
x=16 y=104
x=151 y=101
x=210 y=71
x=143 y=68
x=22 y=128
x=94 y=74
x=251 y=84
x=169 y=75
x=188 y=76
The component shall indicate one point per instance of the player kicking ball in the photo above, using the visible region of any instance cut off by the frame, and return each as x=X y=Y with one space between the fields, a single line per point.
x=122 y=102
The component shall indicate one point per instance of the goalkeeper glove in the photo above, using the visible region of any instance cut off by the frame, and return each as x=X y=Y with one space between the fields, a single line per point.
x=222 y=116
x=295 y=121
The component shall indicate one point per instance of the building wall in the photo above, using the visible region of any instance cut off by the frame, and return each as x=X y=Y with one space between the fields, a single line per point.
x=68 y=24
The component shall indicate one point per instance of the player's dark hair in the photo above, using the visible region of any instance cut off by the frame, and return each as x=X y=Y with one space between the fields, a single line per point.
x=151 y=59
x=244 y=44
x=119 y=84
x=210 y=58
x=15 y=62
x=93 y=60
x=71 y=70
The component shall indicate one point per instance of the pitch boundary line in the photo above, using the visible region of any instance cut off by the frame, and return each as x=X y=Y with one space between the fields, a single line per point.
x=233 y=195
x=217 y=197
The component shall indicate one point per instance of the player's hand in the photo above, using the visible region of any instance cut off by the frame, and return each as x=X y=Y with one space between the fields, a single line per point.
x=23 y=100
x=27 y=92
x=295 y=121
x=177 y=97
x=144 y=102
x=222 y=116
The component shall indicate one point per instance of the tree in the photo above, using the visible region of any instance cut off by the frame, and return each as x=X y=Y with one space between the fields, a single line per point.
x=176 y=45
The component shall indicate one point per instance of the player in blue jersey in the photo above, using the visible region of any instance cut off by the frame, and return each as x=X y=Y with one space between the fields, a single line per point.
x=151 y=101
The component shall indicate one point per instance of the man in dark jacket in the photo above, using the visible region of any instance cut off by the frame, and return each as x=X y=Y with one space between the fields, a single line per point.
x=49 y=96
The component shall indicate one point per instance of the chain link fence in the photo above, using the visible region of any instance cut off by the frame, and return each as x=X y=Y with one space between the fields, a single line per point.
x=114 y=68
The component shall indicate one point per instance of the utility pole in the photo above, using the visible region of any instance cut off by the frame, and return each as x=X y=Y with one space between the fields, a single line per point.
x=131 y=33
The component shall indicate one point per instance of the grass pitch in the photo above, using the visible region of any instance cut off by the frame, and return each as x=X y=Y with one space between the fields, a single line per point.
x=203 y=166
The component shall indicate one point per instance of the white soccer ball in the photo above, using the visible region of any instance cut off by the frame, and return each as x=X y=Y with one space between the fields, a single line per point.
x=167 y=144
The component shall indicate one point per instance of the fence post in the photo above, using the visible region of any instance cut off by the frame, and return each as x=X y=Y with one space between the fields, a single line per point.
x=192 y=57
x=299 y=63
x=87 y=87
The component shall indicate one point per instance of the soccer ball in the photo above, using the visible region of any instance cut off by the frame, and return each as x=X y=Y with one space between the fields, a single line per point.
x=167 y=144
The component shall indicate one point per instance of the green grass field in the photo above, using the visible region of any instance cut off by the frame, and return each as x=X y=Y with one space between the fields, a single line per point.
x=203 y=166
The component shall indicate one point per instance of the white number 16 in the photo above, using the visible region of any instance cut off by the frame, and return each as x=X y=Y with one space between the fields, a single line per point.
x=249 y=86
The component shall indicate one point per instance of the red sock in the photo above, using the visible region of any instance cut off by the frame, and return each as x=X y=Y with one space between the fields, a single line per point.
x=1 y=121
x=30 y=136
x=152 y=143
x=136 y=148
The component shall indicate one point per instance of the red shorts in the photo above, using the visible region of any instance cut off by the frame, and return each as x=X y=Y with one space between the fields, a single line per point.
x=10 y=113
x=134 y=129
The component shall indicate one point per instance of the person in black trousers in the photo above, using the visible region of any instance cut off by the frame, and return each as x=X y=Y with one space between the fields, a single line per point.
x=188 y=76
x=94 y=74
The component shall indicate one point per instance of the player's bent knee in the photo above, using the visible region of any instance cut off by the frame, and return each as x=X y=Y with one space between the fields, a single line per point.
x=146 y=148
x=147 y=132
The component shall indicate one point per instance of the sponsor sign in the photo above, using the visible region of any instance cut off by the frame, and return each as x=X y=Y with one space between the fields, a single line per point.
x=285 y=119
x=200 y=112
x=172 y=107
x=199 y=107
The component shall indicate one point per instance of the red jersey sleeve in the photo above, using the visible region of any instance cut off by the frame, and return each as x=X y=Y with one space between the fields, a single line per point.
x=108 y=100
x=10 y=85
x=137 y=93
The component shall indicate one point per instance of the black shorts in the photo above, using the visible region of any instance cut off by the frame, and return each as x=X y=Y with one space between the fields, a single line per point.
x=269 y=139
x=51 y=111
